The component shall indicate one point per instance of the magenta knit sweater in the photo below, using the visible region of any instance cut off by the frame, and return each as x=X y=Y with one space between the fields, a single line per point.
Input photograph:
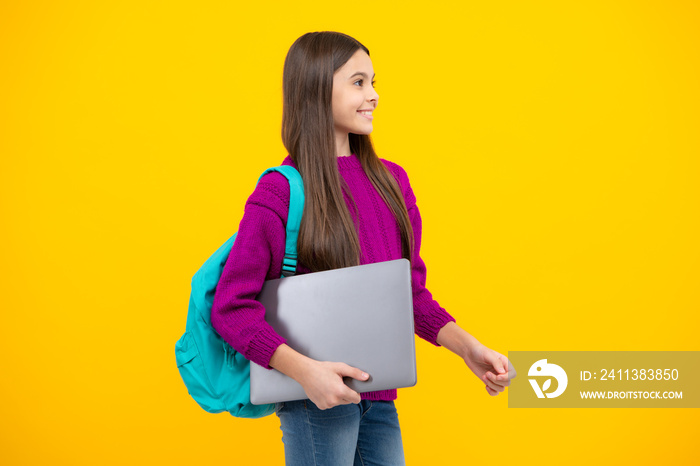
x=259 y=249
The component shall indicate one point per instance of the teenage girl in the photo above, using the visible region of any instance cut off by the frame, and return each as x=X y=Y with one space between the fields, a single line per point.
x=359 y=209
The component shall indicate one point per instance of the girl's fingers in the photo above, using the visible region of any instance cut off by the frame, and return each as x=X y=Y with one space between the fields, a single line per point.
x=504 y=364
x=497 y=383
x=502 y=380
x=494 y=382
x=510 y=370
x=351 y=396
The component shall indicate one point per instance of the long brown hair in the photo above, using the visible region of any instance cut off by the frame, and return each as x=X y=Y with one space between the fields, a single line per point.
x=328 y=237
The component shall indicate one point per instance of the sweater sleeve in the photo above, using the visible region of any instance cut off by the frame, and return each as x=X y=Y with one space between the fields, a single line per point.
x=256 y=256
x=429 y=316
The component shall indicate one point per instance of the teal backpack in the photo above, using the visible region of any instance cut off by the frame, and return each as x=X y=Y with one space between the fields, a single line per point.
x=216 y=375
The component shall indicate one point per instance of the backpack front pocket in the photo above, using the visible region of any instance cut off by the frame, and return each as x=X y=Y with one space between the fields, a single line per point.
x=193 y=373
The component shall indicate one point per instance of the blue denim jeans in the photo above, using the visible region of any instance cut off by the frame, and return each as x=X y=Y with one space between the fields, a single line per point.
x=355 y=434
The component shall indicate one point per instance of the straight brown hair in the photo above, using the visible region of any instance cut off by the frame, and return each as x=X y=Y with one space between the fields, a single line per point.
x=328 y=237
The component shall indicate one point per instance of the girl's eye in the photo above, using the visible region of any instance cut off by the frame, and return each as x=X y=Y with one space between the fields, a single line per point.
x=361 y=80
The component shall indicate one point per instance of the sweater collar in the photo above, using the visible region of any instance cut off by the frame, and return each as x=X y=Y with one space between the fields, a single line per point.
x=349 y=162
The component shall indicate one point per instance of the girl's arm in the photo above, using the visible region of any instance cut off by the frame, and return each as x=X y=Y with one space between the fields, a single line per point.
x=435 y=324
x=239 y=318
x=322 y=381
x=257 y=255
x=494 y=369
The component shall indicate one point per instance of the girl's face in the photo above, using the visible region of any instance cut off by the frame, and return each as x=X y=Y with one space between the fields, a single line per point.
x=354 y=98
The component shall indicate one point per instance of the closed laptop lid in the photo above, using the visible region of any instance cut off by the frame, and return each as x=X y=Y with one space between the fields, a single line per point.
x=362 y=316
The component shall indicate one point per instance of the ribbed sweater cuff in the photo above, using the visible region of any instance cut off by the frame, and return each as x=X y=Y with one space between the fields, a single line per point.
x=263 y=345
x=429 y=325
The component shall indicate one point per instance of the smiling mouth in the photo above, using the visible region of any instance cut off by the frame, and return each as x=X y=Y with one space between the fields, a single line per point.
x=366 y=114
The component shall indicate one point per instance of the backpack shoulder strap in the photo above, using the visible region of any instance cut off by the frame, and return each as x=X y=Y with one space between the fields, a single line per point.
x=296 y=207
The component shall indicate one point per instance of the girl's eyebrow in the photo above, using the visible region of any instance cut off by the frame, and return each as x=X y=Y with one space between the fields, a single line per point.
x=360 y=73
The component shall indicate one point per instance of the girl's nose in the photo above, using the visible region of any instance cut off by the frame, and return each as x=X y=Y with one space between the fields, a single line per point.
x=374 y=96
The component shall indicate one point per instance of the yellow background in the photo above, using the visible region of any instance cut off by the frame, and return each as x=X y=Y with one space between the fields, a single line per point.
x=553 y=148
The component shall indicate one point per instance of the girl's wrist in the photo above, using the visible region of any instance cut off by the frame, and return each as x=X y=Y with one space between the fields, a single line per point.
x=290 y=362
x=456 y=339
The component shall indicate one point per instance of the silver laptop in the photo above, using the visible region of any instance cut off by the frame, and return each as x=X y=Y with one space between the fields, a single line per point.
x=362 y=316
